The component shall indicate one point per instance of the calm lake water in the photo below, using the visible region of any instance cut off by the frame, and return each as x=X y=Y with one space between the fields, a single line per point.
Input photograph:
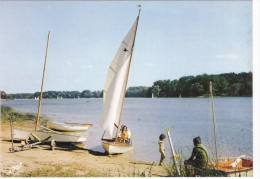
x=147 y=118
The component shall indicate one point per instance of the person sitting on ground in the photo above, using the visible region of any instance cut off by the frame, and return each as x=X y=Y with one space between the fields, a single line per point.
x=199 y=156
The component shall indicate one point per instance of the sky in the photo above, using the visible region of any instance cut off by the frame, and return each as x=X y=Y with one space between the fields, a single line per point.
x=174 y=39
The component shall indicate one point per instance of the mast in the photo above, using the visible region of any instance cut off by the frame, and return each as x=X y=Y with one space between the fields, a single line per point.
x=214 y=125
x=43 y=76
x=128 y=70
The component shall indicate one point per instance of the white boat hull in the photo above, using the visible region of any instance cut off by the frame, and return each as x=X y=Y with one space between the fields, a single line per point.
x=21 y=134
x=67 y=127
x=112 y=147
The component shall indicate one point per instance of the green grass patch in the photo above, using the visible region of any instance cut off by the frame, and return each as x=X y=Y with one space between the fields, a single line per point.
x=58 y=171
x=8 y=113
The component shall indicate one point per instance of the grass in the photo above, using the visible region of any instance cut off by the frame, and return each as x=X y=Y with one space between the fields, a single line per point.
x=58 y=171
x=8 y=113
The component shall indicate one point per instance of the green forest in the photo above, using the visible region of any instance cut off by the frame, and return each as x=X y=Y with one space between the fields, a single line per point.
x=227 y=84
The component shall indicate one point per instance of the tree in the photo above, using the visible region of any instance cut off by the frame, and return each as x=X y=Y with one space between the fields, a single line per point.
x=184 y=85
x=138 y=91
x=234 y=89
x=86 y=94
x=156 y=90
x=197 y=89
x=4 y=95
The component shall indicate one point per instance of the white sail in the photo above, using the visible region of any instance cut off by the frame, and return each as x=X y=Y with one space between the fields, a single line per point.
x=116 y=81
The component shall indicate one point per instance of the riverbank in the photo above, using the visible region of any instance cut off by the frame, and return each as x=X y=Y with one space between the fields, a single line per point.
x=65 y=161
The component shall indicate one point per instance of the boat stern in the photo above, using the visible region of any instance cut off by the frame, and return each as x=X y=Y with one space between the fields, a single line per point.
x=112 y=147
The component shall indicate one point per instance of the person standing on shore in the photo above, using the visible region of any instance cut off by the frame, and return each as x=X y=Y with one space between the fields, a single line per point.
x=161 y=148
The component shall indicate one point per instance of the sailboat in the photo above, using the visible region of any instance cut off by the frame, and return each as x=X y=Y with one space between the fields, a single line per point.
x=41 y=132
x=231 y=166
x=114 y=93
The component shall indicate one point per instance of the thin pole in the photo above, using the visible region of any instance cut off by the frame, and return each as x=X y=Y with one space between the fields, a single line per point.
x=43 y=76
x=173 y=152
x=132 y=50
x=214 y=124
x=12 y=132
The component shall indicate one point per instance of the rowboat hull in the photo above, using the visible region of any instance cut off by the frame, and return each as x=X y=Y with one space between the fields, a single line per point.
x=112 y=147
x=67 y=127
x=21 y=134
x=242 y=172
x=243 y=168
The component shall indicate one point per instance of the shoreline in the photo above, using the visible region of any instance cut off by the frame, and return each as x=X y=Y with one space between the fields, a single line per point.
x=195 y=97
x=65 y=162
x=68 y=161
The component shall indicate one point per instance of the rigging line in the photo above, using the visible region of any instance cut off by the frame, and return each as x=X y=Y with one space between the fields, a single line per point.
x=218 y=138
x=215 y=127
x=210 y=128
x=213 y=119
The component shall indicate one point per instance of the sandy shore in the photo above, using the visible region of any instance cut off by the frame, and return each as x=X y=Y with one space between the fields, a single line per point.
x=76 y=162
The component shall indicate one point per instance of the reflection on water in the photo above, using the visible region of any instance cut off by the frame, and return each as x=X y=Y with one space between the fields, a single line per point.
x=148 y=118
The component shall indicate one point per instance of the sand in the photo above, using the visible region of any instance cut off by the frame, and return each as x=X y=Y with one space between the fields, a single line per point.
x=67 y=162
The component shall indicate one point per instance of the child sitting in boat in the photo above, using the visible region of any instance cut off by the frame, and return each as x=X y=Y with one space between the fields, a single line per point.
x=125 y=135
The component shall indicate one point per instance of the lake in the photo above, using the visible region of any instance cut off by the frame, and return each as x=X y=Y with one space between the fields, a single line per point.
x=147 y=118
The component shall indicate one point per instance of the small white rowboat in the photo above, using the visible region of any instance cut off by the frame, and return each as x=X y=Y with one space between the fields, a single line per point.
x=22 y=134
x=68 y=127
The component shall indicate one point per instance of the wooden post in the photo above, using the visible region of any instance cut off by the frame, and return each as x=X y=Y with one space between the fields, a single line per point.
x=173 y=152
x=12 y=134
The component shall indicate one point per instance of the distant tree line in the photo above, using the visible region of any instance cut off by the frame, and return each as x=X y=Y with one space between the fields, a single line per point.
x=227 y=84
x=69 y=94
x=139 y=91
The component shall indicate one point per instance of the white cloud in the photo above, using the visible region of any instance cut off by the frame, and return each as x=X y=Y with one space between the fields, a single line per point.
x=228 y=56
x=88 y=66
x=68 y=63
x=149 y=64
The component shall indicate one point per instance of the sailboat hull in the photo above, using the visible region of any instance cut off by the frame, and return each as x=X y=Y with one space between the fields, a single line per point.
x=21 y=134
x=67 y=127
x=112 y=147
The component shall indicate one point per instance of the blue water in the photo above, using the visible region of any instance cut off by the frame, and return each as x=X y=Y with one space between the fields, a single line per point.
x=147 y=118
